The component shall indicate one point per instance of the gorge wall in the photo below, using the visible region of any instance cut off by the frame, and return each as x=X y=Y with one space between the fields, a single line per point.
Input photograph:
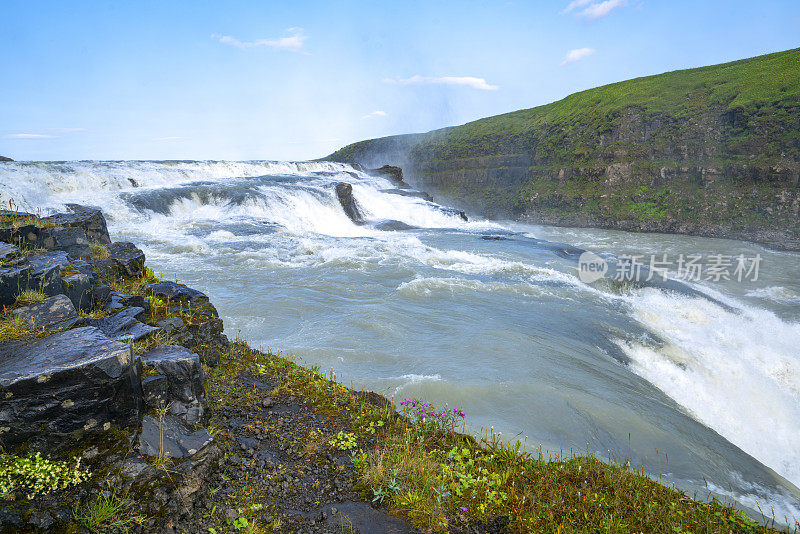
x=712 y=151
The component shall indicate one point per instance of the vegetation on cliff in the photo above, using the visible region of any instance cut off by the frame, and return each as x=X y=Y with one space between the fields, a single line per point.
x=712 y=150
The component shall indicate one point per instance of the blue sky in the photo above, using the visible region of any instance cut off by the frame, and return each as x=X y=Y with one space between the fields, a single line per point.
x=296 y=80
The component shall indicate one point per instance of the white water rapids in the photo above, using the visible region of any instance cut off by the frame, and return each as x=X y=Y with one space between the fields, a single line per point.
x=500 y=326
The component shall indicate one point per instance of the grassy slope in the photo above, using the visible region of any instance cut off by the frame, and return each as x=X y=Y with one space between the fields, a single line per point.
x=714 y=144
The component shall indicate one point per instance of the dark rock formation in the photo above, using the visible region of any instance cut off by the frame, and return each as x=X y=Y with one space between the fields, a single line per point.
x=90 y=219
x=391 y=173
x=55 y=313
x=14 y=279
x=124 y=325
x=76 y=380
x=128 y=259
x=171 y=438
x=391 y=225
x=72 y=240
x=181 y=295
x=118 y=300
x=78 y=287
x=344 y=192
x=181 y=389
x=46 y=271
x=3 y=158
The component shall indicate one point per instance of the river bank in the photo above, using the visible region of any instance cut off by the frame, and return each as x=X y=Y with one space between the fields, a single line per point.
x=282 y=447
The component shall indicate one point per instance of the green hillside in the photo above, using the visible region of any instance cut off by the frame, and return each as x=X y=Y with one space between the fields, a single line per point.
x=711 y=151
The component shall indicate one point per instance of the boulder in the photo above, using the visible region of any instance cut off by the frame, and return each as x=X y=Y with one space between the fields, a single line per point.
x=73 y=241
x=14 y=279
x=3 y=158
x=55 y=313
x=128 y=259
x=344 y=192
x=392 y=225
x=391 y=173
x=118 y=300
x=72 y=381
x=185 y=393
x=124 y=325
x=91 y=220
x=10 y=255
x=78 y=287
x=182 y=296
x=25 y=235
x=170 y=437
x=46 y=271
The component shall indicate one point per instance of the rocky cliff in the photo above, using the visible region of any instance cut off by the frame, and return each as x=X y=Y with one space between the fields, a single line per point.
x=711 y=151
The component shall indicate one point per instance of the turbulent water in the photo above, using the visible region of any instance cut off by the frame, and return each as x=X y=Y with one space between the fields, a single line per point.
x=699 y=382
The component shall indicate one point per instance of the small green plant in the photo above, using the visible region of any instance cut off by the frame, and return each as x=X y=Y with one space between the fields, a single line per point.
x=99 y=252
x=30 y=296
x=12 y=327
x=36 y=475
x=109 y=513
x=344 y=441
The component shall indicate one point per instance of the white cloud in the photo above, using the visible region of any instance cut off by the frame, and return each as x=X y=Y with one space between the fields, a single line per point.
x=577 y=55
x=467 y=81
x=592 y=9
x=292 y=43
x=28 y=136
x=376 y=113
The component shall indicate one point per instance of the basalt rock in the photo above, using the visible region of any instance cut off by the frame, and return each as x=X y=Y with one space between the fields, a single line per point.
x=183 y=296
x=127 y=258
x=184 y=392
x=391 y=173
x=125 y=325
x=46 y=271
x=344 y=192
x=78 y=287
x=76 y=381
x=14 y=279
x=171 y=438
x=10 y=254
x=72 y=240
x=91 y=220
x=118 y=300
x=55 y=313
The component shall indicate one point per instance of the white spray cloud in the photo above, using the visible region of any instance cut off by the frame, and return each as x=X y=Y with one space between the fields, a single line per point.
x=466 y=81
x=291 y=43
x=577 y=55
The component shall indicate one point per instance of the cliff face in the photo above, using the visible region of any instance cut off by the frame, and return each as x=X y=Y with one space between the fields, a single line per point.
x=711 y=151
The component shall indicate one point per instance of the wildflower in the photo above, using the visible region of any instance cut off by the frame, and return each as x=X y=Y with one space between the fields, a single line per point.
x=463 y=508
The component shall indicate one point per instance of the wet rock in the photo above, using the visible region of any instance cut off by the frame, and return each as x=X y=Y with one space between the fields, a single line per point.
x=186 y=395
x=119 y=300
x=10 y=255
x=78 y=287
x=26 y=235
x=155 y=391
x=73 y=241
x=55 y=313
x=391 y=173
x=3 y=158
x=170 y=324
x=76 y=380
x=91 y=220
x=124 y=325
x=127 y=258
x=455 y=212
x=46 y=271
x=14 y=279
x=171 y=437
x=344 y=192
x=182 y=296
x=391 y=225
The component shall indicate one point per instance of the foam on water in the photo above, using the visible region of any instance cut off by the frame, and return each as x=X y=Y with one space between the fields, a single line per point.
x=736 y=372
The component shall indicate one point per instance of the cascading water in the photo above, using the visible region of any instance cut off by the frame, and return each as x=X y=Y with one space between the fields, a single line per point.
x=708 y=377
